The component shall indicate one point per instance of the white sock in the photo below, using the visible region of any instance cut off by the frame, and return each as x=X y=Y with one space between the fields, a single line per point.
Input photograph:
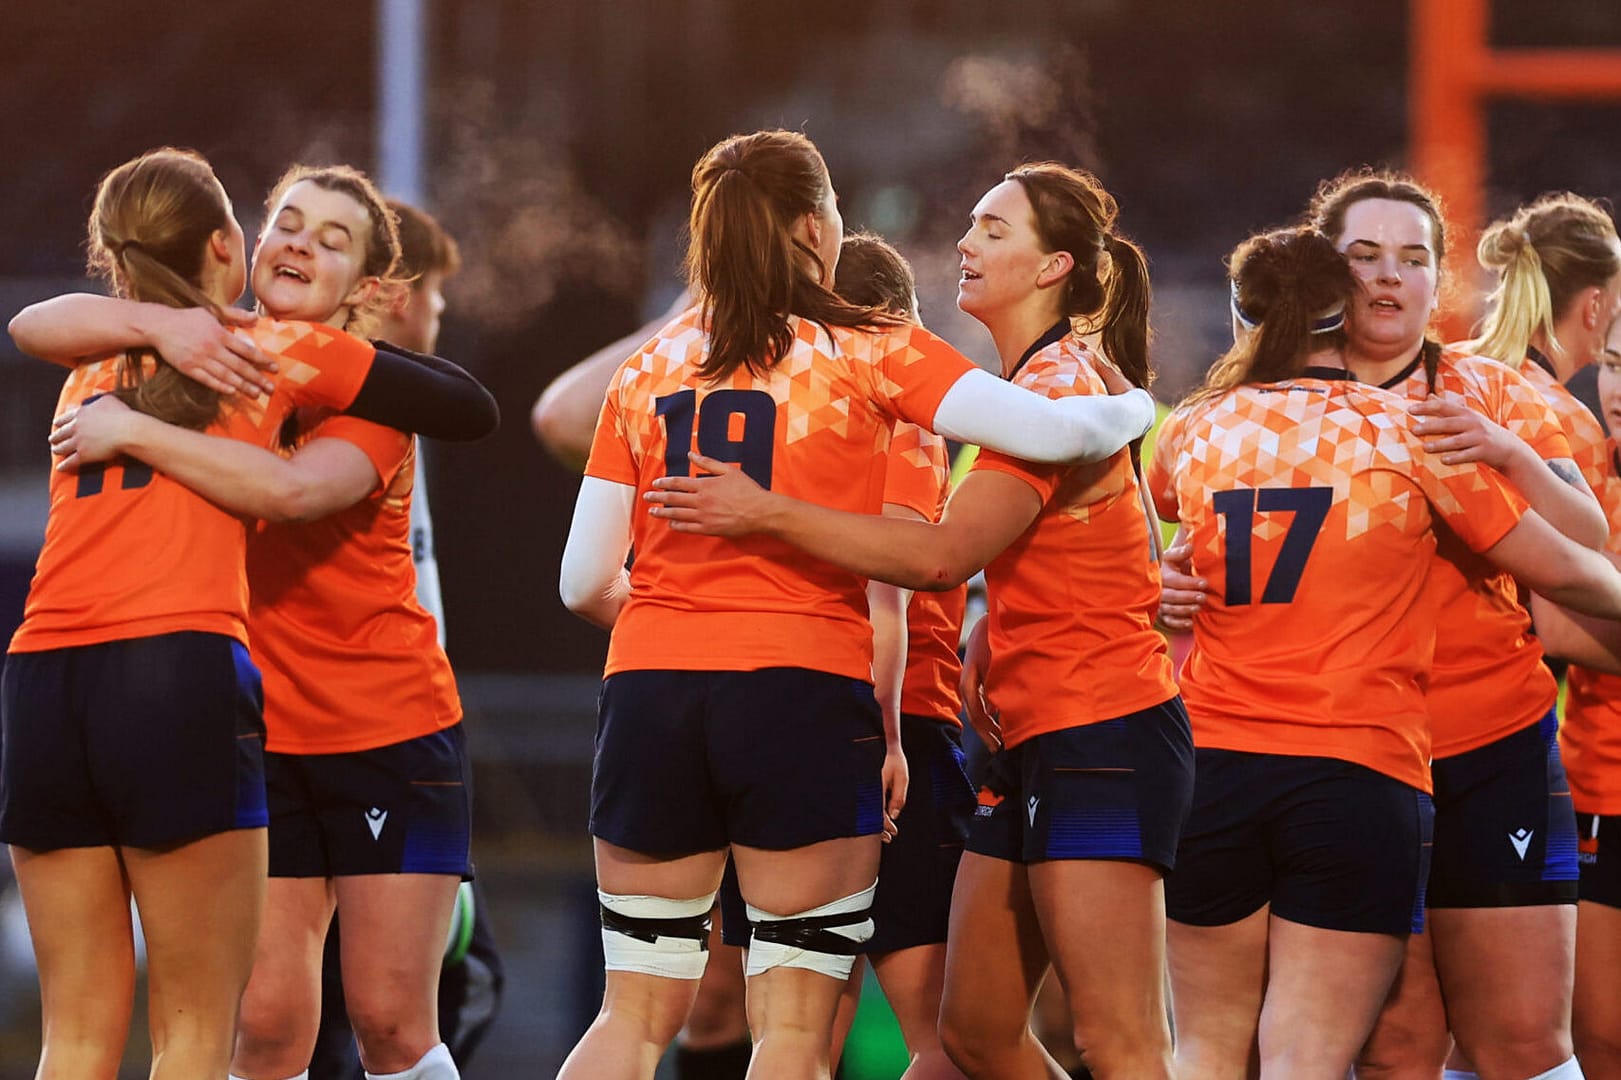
x=436 y=1064
x=305 y=1075
x=1568 y=1071
x=1458 y=1074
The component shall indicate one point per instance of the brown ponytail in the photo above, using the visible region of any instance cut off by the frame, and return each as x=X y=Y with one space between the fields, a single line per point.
x=743 y=259
x=1111 y=296
x=1290 y=287
x=150 y=227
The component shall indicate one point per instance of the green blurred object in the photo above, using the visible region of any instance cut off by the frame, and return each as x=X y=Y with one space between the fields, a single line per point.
x=874 y=1050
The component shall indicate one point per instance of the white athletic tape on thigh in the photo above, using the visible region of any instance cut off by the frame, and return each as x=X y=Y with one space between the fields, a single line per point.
x=824 y=939
x=655 y=935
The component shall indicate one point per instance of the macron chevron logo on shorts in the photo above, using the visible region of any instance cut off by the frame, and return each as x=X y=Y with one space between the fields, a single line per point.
x=1521 y=839
x=1034 y=801
x=376 y=817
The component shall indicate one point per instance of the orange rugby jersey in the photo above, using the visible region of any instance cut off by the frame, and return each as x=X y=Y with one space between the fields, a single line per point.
x=1070 y=603
x=1590 y=736
x=918 y=478
x=129 y=552
x=1488 y=679
x=1309 y=504
x=350 y=659
x=1589 y=446
x=815 y=426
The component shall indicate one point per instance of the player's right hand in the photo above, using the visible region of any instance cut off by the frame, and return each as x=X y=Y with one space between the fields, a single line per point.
x=1181 y=594
x=197 y=345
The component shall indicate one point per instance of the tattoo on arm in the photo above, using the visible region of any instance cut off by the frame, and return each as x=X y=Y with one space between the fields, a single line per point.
x=1566 y=471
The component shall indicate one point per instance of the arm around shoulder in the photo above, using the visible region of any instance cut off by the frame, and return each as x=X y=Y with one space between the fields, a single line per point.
x=983 y=409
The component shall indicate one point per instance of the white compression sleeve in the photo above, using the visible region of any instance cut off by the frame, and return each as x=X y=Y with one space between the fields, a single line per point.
x=983 y=409
x=598 y=541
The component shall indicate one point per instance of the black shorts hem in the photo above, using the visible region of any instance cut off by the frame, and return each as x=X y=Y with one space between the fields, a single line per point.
x=1506 y=894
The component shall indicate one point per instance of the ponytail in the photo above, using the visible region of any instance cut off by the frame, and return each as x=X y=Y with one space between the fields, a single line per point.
x=150 y=227
x=1544 y=255
x=1289 y=288
x=1074 y=213
x=1124 y=320
x=743 y=259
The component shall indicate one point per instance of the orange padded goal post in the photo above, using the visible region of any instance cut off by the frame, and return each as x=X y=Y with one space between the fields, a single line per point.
x=1453 y=74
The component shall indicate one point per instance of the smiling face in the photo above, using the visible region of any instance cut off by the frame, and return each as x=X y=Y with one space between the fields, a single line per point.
x=1001 y=253
x=310 y=259
x=1391 y=247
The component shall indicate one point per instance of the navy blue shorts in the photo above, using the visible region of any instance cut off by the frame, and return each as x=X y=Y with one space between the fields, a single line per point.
x=690 y=761
x=1599 y=855
x=405 y=808
x=1119 y=789
x=144 y=742
x=1327 y=843
x=915 y=870
x=1505 y=830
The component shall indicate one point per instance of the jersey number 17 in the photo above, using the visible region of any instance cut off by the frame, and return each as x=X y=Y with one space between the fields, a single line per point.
x=1239 y=507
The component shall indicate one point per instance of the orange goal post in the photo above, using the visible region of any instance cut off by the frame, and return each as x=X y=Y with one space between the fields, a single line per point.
x=1454 y=73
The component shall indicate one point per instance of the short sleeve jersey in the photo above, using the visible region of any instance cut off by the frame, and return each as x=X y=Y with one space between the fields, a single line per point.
x=918 y=479
x=1309 y=505
x=1488 y=679
x=1070 y=603
x=350 y=658
x=131 y=553
x=1589 y=446
x=1590 y=737
x=815 y=425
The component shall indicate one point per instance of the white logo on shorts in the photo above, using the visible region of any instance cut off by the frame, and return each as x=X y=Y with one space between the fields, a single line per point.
x=374 y=821
x=1033 y=801
x=1521 y=839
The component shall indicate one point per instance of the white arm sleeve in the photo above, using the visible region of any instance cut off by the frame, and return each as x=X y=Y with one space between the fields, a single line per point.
x=593 y=571
x=983 y=409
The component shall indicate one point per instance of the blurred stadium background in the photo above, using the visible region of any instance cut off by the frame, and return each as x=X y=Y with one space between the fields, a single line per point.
x=556 y=141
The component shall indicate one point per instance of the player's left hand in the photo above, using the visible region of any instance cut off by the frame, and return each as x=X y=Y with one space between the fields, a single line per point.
x=724 y=503
x=91 y=432
x=896 y=783
x=982 y=715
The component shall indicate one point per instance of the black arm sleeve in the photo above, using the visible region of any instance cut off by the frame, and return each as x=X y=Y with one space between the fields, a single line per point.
x=425 y=394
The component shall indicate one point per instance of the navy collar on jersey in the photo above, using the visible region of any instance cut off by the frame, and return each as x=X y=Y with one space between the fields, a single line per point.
x=1054 y=333
x=1536 y=356
x=1333 y=374
x=1402 y=375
